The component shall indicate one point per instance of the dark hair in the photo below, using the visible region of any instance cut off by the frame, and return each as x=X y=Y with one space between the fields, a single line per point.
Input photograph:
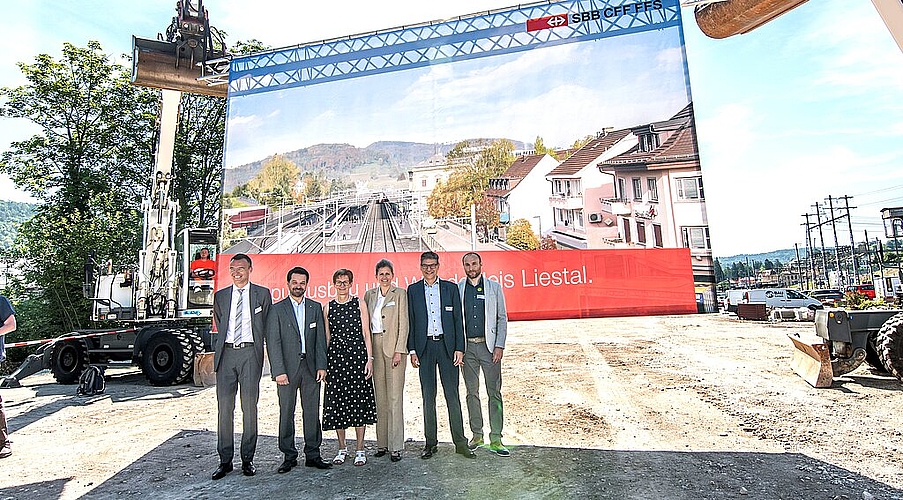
x=241 y=256
x=384 y=263
x=297 y=270
x=468 y=254
x=429 y=256
x=342 y=272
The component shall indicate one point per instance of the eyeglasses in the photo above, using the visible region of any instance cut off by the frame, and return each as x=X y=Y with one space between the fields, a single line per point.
x=429 y=266
x=342 y=283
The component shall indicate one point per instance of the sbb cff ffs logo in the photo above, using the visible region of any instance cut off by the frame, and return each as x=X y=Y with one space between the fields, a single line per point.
x=620 y=10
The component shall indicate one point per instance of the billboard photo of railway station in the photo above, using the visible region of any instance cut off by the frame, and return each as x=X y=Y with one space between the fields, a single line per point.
x=558 y=140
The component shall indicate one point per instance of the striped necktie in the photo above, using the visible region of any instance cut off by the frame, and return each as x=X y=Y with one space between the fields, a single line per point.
x=239 y=317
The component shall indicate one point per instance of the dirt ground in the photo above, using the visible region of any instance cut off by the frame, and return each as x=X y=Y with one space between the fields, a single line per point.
x=680 y=407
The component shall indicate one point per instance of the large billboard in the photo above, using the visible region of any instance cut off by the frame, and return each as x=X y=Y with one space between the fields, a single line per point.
x=557 y=139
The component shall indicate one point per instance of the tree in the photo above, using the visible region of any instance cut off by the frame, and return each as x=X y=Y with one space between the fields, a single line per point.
x=540 y=147
x=198 y=160
x=275 y=181
x=487 y=216
x=520 y=235
x=477 y=162
x=719 y=272
x=88 y=167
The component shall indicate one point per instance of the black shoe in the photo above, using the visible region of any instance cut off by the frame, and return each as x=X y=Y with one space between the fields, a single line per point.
x=287 y=466
x=429 y=451
x=465 y=451
x=317 y=462
x=381 y=452
x=248 y=469
x=222 y=470
x=396 y=456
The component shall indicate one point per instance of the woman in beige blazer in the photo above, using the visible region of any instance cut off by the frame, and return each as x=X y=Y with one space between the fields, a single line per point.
x=388 y=308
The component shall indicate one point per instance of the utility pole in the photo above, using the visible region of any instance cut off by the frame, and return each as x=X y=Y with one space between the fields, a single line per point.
x=799 y=264
x=821 y=237
x=810 y=262
x=836 y=244
x=868 y=255
x=847 y=207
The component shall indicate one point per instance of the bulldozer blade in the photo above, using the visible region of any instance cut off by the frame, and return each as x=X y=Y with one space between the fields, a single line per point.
x=812 y=362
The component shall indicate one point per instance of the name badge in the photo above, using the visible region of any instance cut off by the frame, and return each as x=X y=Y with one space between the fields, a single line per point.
x=312 y=325
x=389 y=304
x=481 y=297
x=257 y=311
x=449 y=308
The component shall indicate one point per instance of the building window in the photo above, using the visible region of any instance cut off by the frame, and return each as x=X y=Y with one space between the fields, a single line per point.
x=696 y=237
x=690 y=188
x=423 y=182
x=578 y=218
x=557 y=189
x=637 y=188
x=648 y=142
x=657 y=235
x=641 y=232
x=622 y=190
x=652 y=186
x=627 y=238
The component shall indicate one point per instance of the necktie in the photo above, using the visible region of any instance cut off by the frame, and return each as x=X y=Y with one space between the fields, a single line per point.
x=239 y=317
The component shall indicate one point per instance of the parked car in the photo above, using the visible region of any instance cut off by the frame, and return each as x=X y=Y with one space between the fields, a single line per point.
x=828 y=296
x=866 y=289
x=780 y=298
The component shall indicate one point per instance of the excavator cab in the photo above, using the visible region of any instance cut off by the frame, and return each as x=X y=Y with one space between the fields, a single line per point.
x=197 y=252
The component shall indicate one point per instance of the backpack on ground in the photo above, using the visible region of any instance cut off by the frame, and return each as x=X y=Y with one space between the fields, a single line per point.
x=91 y=381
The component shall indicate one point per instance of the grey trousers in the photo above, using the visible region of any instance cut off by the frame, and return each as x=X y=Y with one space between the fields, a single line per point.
x=239 y=372
x=477 y=357
x=310 y=416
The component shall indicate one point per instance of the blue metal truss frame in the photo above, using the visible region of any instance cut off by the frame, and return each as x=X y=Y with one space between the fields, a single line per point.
x=466 y=37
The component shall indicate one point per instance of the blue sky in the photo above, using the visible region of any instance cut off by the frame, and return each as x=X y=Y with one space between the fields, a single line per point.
x=802 y=108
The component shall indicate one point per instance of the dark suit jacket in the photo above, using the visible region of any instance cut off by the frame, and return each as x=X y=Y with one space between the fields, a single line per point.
x=261 y=300
x=284 y=340
x=452 y=318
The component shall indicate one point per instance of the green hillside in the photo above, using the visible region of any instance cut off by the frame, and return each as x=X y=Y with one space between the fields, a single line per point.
x=12 y=213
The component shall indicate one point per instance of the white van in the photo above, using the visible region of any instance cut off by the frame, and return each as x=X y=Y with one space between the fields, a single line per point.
x=780 y=298
x=734 y=298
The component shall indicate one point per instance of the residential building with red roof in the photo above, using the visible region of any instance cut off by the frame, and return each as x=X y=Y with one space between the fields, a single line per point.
x=515 y=192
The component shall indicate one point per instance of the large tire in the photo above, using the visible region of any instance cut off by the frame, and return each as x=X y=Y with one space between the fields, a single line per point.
x=871 y=354
x=168 y=358
x=890 y=345
x=68 y=360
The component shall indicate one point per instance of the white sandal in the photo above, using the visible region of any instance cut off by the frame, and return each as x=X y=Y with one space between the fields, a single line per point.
x=340 y=457
x=360 y=457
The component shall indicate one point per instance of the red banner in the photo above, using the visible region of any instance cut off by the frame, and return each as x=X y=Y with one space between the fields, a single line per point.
x=548 y=284
x=543 y=23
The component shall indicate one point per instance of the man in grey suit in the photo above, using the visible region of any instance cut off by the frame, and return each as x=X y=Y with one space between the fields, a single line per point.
x=436 y=340
x=486 y=327
x=296 y=342
x=240 y=316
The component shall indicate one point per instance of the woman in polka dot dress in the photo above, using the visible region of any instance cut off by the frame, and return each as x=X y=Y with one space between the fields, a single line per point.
x=349 y=400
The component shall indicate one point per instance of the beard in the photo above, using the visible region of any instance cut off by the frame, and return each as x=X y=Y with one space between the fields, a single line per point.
x=297 y=292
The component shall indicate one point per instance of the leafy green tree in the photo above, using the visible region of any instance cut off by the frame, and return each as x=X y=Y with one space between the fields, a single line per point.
x=719 y=272
x=540 y=147
x=520 y=235
x=88 y=167
x=487 y=216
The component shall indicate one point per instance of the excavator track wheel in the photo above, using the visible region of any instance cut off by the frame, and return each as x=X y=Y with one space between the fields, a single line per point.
x=890 y=345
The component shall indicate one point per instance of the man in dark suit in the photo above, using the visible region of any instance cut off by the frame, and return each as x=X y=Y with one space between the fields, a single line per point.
x=436 y=340
x=240 y=316
x=298 y=362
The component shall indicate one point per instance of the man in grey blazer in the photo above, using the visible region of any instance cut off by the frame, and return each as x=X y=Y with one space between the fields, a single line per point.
x=240 y=315
x=436 y=341
x=296 y=343
x=485 y=327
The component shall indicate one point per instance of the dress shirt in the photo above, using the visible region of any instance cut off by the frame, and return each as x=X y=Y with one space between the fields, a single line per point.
x=433 y=309
x=475 y=309
x=299 y=317
x=248 y=336
x=376 y=319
